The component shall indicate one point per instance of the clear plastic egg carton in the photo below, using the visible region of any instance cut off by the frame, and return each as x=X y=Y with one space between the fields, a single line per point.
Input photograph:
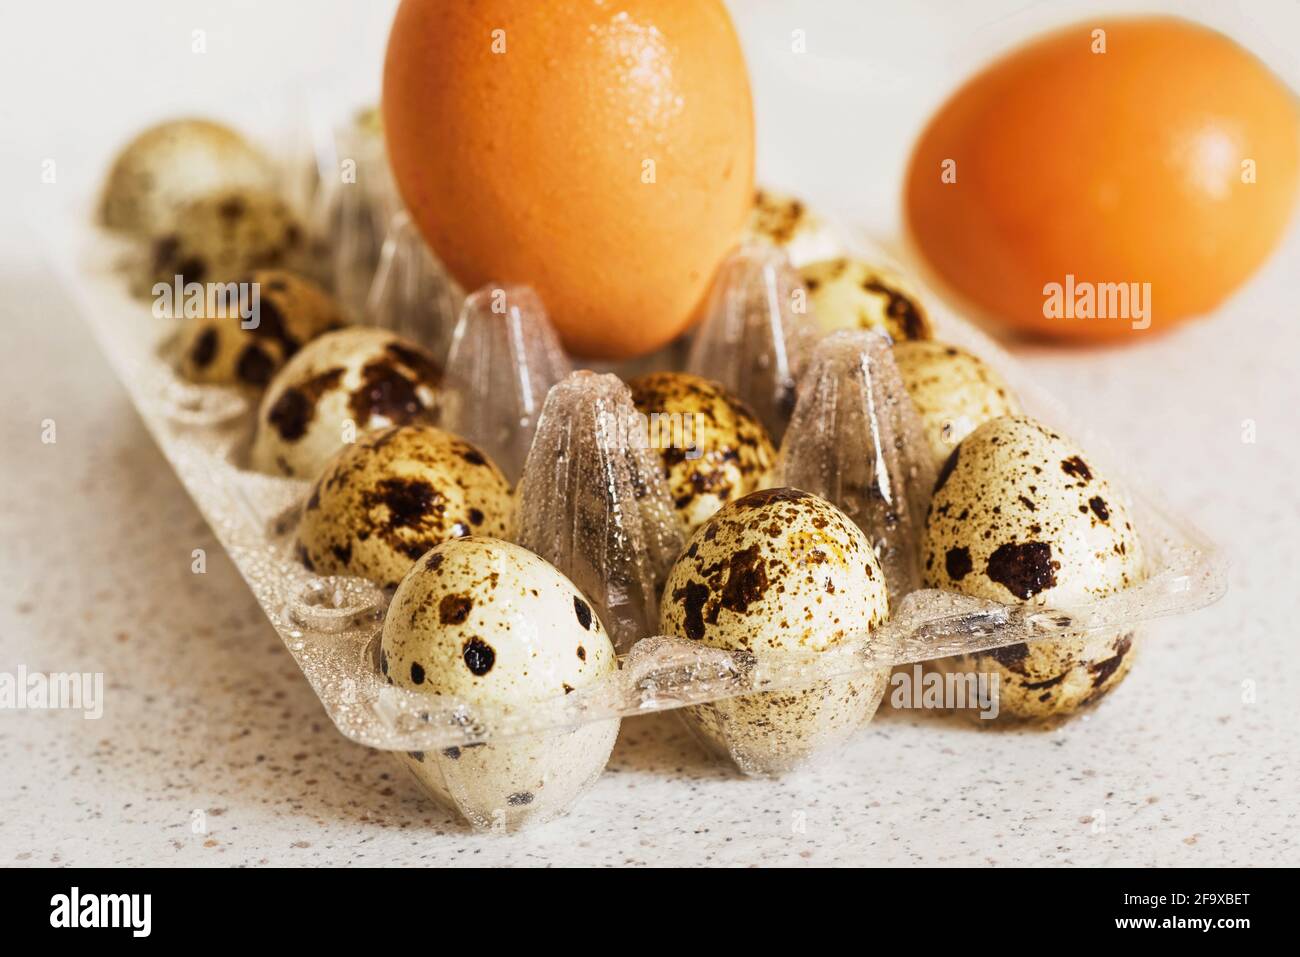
x=590 y=500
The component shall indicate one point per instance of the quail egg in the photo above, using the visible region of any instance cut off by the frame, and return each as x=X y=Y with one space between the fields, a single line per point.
x=1019 y=515
x=171 y=164
x=290 y=311
x=338 y=386
x=775 y=576
x=223 y=236
x=781 y=220
x=712 y=447
x=485 y=624
x=952 y=390
x=852 y=294
x=391 y=496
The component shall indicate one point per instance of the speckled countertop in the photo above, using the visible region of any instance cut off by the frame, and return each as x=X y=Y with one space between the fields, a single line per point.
x=206 y=712
x=213 y=750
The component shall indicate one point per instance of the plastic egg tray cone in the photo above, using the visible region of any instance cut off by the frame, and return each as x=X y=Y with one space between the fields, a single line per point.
x=503 y=360
x=592 y=503
x=756 y=333
x=855 y=439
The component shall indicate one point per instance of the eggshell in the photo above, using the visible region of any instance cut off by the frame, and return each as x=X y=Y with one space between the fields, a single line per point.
x=712 y=447
x=601 y=153
x=482 y=622
x=952 y=390
x=1020 y=516
x=291 y=311
x=785 y=221
x=223 y=236
x=1148 y=163
x=340 y=386
x=777 y=575
x=169 y=165
x=391 y=496
x=852 y=294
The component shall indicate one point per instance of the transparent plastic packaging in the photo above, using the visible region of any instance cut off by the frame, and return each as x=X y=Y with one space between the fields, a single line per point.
x=594 y=503
x=332 y=168
x=411 y=293
x=737 y=729
x=355 y=205
x=585 y=488
x=756 y=333
x=504 y=359
x=856 y=440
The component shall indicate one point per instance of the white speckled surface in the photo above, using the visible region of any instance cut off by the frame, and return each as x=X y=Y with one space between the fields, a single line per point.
x=206 y=712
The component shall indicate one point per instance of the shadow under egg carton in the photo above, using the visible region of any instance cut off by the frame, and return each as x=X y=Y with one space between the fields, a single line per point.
x=331 y=625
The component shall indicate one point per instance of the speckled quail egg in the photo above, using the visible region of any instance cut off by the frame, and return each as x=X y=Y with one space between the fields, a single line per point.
x=852 y=294
x=392 y=495
x=952 y=390
x=171 y=164
x=223 y=236
x=290 y=312
x=712 y=447
x=1019 y=515
x=775 y=574
x=778 y=219
x=483 y=623
x=337 y=387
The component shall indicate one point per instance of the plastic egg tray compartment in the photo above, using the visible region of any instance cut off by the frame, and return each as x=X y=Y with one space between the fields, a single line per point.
x=591 y=501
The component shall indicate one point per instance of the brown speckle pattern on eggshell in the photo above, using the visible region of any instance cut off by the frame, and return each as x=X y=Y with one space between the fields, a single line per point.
x=1017 y=516
x=848 y=293
x=778 y=219
x=510 y=644
x=171 y=164
x=774 y=574
x=393 y=495
x=224 y=236
x=730 y=453
x=953 y=391
x=357 y=379
x=229 y=349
